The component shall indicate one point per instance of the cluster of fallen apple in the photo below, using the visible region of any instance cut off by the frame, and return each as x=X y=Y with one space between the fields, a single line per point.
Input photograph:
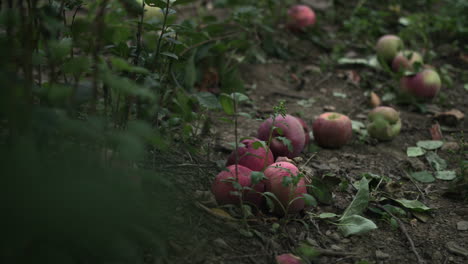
x=417 y=79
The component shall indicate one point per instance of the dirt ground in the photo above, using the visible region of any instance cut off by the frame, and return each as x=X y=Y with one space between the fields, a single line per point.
x=309 y=91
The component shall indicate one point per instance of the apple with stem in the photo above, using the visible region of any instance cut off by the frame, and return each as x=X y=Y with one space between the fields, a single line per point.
x=332 y=130
x=288 y=259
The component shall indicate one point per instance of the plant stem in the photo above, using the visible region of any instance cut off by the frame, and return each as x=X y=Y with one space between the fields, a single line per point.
x=163 y=31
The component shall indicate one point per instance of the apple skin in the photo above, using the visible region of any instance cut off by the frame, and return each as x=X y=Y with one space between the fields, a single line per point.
x=250 y=157
x=152 y=13
x=385 y=123
x=388 y=46
x=424 y=85
x=332 y=130
x=288 y=259
x=222 y=189
x=404 y=60
x=274 y=184
x=291 y=129
x=300 y=17
x=306 y=130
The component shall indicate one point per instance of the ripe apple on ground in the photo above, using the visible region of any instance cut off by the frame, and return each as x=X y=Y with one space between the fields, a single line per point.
x=306 y=130
x=300 y=17
x=387 y=47
x=425 y=84
x=223 y=188
x=285 y=194
x=404 y=60
x=332 y=130
x=288 y=259
x=287 y=127
x=385 y=123
x=253 y=158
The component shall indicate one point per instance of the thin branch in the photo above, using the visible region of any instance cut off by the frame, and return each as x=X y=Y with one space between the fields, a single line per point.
x=403 y=229
x=206 y=42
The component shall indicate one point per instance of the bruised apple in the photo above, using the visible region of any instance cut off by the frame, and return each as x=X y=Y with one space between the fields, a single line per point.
x=224 y=190
x=385 y=123
x=387 y=47
x=288 y=259
x=252 y=155
x=300 y=17
x=424 y=85
x=285 y=194
x=404 y=60
x=332 y=130
x=287 y=127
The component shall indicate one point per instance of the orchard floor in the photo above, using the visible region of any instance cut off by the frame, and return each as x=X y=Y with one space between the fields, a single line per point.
x=309 y=91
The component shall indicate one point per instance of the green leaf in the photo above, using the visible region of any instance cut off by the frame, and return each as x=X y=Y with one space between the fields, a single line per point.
x=341 y=95
x=395 y=210
x=415 y=151
x=445 y=175
x=309 y=199
x=430 y=144
x=327 y=215
x=356 y=224
x=423 y=176
x=227 y=103
x=360 y=201
x=436 y=162
x=257 y=176
x=321 y=191
x=240 y=97
x=413 y=205
x=208 y=100
x=357 y=125
x=190 y=74
x=465 y=86
x=169 y=54
x=287 y=142
x=182 y=2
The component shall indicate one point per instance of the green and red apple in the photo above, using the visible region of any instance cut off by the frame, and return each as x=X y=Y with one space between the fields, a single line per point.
x=387 y=48
x=332 y=130
x=252 y=155
x=384 y=123
x=300 y=17
x=423 y=85
x=405 y=60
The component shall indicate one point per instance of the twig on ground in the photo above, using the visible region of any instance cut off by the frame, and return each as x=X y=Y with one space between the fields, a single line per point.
x=415 y=184
x=404 y=231
x=321 y=81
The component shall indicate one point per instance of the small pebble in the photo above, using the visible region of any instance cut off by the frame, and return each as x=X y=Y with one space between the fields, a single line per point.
x=381 y=255
x=462 y=225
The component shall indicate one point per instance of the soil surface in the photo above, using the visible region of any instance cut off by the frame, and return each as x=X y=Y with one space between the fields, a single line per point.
x=309 y=90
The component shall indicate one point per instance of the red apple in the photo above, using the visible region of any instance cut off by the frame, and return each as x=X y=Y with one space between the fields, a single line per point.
x=332 y=130
x=306 y=130
x=404 y=60
x=300 y=17
x=425 y=84
x=250 y=157
x=387 y=47
x=287 y=127
x=385 y=123
x=223 y=188
x=285 y=194
x=288 y=259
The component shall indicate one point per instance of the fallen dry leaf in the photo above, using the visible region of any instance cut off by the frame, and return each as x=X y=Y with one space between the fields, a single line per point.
x=436 y=133
x=375 y=100
x=450 y=118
